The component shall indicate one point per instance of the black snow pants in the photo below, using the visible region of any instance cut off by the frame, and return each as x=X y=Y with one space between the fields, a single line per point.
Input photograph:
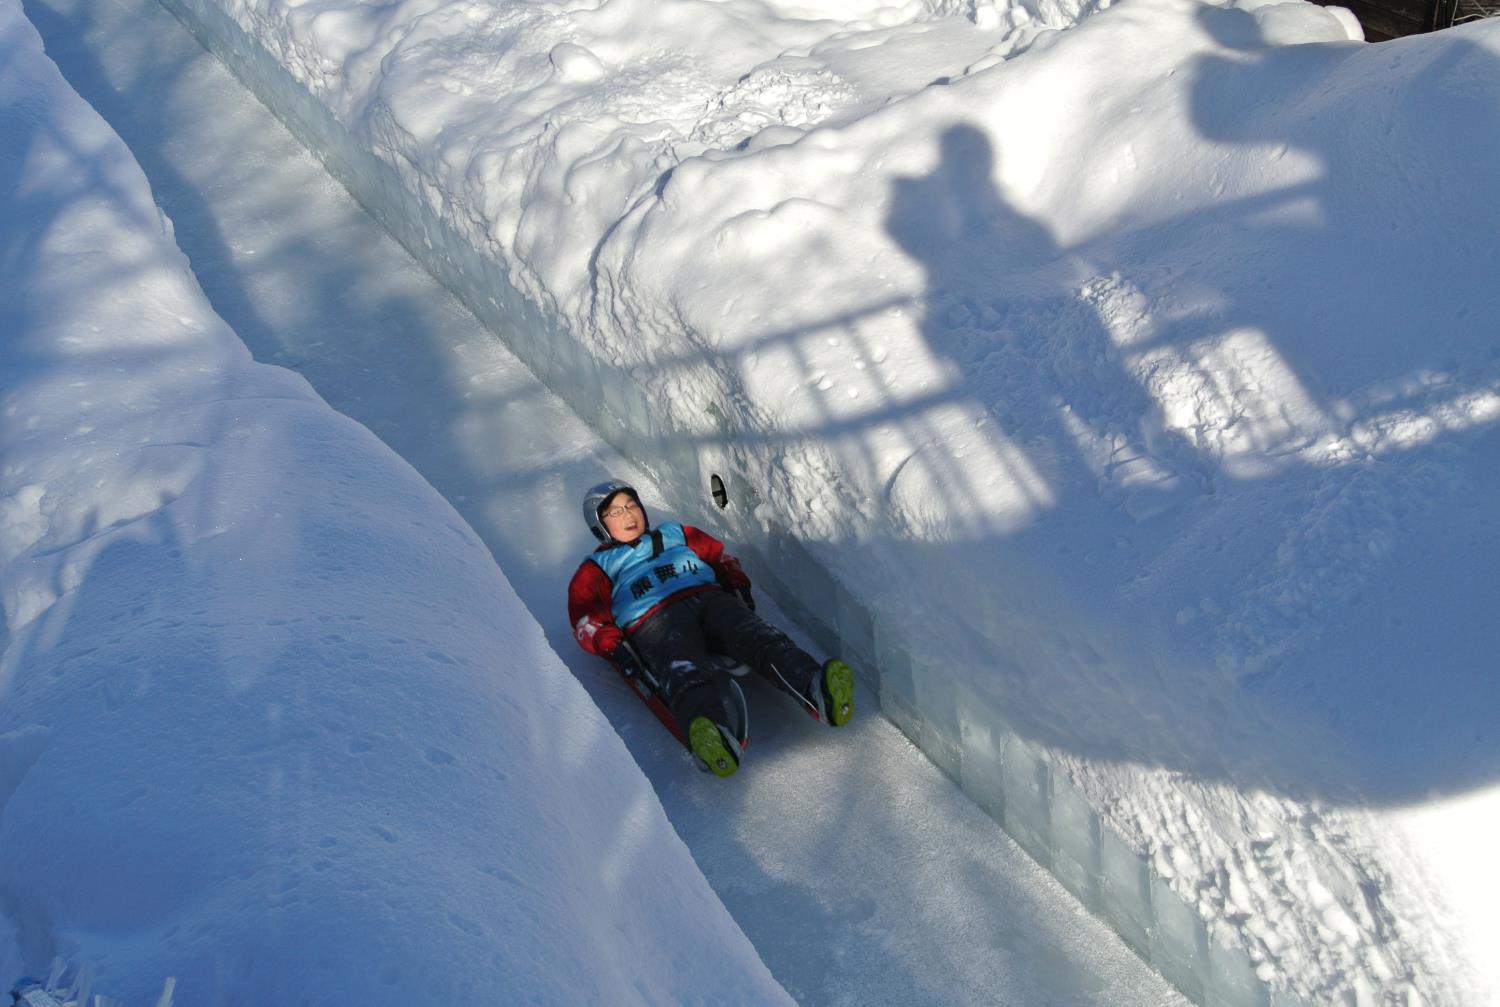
x=683 y=642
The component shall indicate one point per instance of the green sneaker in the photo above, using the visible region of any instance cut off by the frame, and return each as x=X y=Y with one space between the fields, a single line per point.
x=838 y=693
x=707 y=743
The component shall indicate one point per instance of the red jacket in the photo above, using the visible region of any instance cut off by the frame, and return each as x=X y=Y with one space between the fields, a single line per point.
x=590 y=593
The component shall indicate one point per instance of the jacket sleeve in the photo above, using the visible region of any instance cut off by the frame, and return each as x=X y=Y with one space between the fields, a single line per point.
x=590 y=611
x=727 y=568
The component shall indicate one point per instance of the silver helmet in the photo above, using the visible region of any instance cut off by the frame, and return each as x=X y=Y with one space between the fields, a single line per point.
x=595 y=499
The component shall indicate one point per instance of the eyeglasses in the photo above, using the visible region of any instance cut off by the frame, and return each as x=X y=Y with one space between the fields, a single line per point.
x=620 y=510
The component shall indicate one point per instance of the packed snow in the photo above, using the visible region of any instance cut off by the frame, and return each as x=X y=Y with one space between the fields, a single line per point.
x=1134 y=366
x=907 y=894
x=273 y=721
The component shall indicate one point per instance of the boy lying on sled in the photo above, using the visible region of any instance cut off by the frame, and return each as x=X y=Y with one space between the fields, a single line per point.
x=671 y=605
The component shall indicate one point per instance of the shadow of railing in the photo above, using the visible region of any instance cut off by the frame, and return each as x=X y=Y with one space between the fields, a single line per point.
x=1074 y=429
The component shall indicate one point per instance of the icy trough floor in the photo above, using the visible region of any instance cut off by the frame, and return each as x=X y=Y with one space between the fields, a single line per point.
x=862 y=874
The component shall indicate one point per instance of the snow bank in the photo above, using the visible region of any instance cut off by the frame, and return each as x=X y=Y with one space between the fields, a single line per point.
x=1119 y=384
x=273 y=722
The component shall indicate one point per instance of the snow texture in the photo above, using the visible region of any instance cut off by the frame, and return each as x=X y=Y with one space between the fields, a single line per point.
x=1137 y=409
x=310 y=282
x=1120 y=382
x=273 y=722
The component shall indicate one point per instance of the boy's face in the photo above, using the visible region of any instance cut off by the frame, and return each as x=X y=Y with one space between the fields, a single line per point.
x=623 y=518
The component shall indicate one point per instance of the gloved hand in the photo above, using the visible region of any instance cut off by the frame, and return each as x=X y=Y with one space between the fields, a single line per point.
x=746 y=599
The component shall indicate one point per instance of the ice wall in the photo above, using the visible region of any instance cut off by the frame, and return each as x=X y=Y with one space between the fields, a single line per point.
x=1029 y=789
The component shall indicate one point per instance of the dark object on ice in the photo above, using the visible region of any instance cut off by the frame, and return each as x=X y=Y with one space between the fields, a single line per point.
x=1387 y=19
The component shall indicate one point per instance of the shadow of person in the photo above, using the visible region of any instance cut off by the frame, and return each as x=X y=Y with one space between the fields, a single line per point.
x=943 y=219
x=1302 y=681
x=1019 y=317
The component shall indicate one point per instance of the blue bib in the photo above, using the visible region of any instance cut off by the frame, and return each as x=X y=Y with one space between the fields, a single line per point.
x=650 y=570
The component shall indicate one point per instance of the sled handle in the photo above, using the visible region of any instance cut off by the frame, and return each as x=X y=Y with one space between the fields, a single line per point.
x=640 y=662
